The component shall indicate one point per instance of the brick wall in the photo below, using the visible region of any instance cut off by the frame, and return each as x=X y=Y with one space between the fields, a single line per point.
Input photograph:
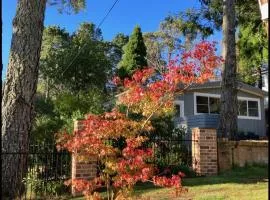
x=204 y=151
x=240 y=153
x=82 y=167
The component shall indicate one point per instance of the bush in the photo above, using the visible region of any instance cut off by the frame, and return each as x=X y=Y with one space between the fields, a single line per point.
x=174 y=169
x=41 y=189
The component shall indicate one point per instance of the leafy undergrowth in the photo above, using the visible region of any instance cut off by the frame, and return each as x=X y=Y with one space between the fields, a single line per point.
x=249 y=183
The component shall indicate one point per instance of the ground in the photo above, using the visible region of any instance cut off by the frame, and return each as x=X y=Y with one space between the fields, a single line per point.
x=249 y=183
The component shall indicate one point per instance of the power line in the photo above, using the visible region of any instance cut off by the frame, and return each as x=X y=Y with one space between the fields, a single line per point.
x=115 y=2
x=99 y=25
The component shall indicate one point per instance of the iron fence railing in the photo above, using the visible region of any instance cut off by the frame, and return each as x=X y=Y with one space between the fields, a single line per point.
x=47 y=169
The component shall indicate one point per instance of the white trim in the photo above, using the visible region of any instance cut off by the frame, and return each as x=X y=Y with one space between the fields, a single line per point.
x=218 y=95
x=203 y=95
x=259 y=108
x=240 y=88
x=182 y=107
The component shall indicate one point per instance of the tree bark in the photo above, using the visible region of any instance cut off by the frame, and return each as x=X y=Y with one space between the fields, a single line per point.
x=19 y=91
x=229 y=108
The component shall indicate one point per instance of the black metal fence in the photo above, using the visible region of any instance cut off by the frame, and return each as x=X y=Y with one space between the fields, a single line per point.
x=48 y=168
x=170 y=152
x=46 y=172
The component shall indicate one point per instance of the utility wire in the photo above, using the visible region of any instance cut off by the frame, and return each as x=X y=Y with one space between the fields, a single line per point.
x=99 y=25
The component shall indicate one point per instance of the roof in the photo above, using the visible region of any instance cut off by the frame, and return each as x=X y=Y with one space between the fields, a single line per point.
x=217 y=84
x=241 y=86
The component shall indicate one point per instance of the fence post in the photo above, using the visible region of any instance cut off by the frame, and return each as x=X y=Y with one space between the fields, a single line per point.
x=82 y=169
x=204 y=151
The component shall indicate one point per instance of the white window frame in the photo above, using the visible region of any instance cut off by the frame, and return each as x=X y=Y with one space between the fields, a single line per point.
x=203 y=95
x=182 y=107
x=259 y=108
x=218 y=96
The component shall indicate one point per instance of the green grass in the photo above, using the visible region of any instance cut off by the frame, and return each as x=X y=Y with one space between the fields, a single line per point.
x=249 y=183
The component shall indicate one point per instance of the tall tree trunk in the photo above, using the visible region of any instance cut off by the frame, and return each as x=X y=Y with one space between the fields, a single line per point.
x=259 y=72
x=19 y=91
x=229 y=107
x=47 y=92
x=259 y=69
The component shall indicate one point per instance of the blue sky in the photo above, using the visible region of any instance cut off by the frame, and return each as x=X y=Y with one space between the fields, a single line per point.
x=125 y=15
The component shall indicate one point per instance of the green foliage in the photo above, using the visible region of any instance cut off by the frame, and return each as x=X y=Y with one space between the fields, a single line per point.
x=252 y=40
x=37 y=186
x=163 y=126
x=134 y=54
x=120 y=40
x=72 y=107
x=84 y=102
x=74 y=62
x=115 y=49
x=78 y=65
x=154 y=48
x=176 y=33
x=47 y=122
x=91 y=67
x=68 y=6
x=253 y=50
x=54 y=48
x=60 y=113
x=177 y=168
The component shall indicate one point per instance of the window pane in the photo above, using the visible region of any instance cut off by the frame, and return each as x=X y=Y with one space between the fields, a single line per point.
x=214 y=105
x=202 y=104
x=177 y=110
x=253 y=104
x=202 y=108
x=202 y=100
x=242 y=107
x=253 y=112
x=253 y=109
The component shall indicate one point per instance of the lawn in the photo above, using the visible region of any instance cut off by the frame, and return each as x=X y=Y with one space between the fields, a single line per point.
x=241 y=183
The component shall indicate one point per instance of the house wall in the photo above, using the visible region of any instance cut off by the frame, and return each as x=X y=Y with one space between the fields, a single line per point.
x=211 y=120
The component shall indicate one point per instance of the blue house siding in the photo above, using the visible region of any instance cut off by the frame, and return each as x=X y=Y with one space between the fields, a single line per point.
x=211 y=120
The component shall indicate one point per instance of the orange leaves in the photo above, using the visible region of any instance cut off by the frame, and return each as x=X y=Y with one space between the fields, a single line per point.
x=147 y=93
x=148 y=88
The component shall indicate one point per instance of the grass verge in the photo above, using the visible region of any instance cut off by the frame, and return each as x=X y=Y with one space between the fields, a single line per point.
x=249 y=183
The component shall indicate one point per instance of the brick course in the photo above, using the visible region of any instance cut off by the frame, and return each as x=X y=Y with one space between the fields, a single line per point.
x=204 y=151
x=82 y=168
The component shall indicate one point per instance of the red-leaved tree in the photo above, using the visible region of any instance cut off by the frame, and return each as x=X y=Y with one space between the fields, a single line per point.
x=148 y=94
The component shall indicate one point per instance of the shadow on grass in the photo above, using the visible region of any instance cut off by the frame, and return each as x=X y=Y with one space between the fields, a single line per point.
x=245 y=175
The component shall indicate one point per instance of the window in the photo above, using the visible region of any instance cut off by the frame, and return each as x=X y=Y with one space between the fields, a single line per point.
x=214 y=104
x=242 y=108
x=202 y=104
x=248 y=108
x=179 y=109
x=205 y=104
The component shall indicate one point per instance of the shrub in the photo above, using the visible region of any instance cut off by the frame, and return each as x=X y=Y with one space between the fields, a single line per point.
x=148 y=95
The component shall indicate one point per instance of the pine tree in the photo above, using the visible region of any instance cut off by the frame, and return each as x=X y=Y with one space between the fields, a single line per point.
x=20 y=89
x=134 y=56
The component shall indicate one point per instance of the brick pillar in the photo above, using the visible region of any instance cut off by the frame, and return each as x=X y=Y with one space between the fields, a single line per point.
x=82 y=168
x=204 y=151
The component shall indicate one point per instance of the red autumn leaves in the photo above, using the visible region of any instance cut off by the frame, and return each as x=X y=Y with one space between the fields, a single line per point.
x=148 y=93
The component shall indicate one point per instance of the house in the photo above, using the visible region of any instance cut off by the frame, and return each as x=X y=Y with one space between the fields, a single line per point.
x=199 y=106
